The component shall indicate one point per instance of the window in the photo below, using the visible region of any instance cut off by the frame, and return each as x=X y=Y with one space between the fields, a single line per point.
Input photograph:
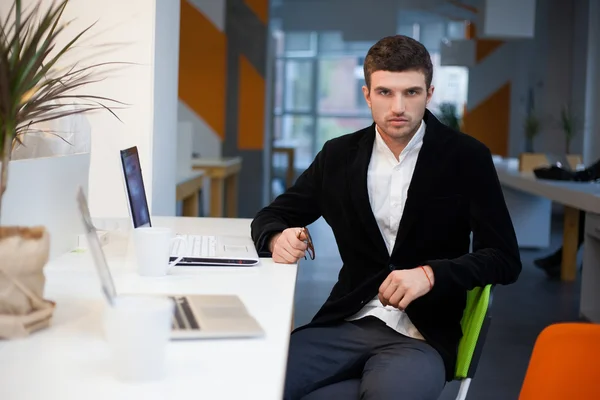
x=298 y=85
x=332 y=127
x=340 y=86
x=319 y=79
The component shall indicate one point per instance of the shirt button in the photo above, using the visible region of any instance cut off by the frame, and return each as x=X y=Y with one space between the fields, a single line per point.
x=392 y=267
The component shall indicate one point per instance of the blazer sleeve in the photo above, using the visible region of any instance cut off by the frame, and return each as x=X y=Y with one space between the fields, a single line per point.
x=495 y=258
x=299 y=206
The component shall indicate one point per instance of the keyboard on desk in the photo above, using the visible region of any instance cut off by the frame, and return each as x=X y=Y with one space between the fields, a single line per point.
x=194 y=246
x=183 y=317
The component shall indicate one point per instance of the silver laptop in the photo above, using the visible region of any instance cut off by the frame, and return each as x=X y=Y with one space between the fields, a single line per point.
x=200 y=249
x=560 y=160
x=194 y=316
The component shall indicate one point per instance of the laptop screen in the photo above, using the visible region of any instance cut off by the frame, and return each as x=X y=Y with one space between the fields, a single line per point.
x=138 y=204
x=108 y=286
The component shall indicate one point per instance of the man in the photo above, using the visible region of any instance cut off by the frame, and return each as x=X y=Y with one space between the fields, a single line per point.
x=402 y=197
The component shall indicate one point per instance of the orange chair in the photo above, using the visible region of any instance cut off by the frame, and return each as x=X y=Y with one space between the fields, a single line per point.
x=565 y=363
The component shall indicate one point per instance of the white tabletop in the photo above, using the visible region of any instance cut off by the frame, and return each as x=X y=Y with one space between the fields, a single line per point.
x=70 y=360
x=185 y=176
x=215 y=162
x=581 y=195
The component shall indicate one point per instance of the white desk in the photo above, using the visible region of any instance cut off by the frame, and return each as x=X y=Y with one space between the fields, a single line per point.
x=529 y=201
x=70 y=360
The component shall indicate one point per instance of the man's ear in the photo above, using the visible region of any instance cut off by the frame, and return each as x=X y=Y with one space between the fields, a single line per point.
x=430 y=93
x=367 y=95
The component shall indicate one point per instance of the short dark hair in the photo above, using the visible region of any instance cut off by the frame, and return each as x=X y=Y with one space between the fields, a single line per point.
x=397 y=54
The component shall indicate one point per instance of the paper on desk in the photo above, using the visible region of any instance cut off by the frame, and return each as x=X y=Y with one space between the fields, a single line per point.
x=67 y=135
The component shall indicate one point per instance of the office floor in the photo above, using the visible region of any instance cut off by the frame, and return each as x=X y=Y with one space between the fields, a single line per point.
x=520 y=312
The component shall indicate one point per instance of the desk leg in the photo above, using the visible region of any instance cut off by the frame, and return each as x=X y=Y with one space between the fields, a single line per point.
x=216 y=197
x=232 y=196
x=568 y=270
x=191 y=205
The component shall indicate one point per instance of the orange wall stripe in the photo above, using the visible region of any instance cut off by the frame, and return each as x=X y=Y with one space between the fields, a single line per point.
x=260 y=8
x=484 y=47
x=251 y=107
x=470 y=30
x=489 y=121
x=202 y=67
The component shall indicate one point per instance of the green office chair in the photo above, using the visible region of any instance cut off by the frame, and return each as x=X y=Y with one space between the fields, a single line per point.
x=475 y=324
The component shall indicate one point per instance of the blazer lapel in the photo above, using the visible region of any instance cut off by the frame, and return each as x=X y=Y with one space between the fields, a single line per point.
x=358 y=164
x=423 y=176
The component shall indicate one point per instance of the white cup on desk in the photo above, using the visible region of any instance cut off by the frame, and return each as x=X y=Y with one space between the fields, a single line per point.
x=137 y=329
x=153 y=249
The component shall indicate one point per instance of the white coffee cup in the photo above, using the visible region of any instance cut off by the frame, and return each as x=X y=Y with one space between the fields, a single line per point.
x=153 y=248
x=137 y=329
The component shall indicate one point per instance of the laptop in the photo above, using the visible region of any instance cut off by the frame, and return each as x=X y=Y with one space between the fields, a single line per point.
x=200 y=249
x=194 y=316
x=559 y=160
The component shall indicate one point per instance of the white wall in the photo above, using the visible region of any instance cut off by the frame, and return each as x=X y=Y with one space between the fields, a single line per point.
x=166 y=73
x=150 y=91
x=592 y=117
x=133 y=26
x=205 y=141
x=553 y=64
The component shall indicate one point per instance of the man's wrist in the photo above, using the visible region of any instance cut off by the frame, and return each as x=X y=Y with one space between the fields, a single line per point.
x=428 y=271
x=272 y=241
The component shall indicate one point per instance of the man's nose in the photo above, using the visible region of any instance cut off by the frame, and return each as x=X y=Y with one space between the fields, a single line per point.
x=398 y=105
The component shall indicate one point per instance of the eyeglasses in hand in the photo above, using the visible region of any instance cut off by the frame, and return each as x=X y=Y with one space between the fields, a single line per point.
x=310 y=247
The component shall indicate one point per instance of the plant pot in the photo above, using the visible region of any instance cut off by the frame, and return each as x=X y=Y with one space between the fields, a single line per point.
x=24 y=252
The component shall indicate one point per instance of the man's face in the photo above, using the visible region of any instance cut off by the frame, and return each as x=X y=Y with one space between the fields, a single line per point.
x=397 y=101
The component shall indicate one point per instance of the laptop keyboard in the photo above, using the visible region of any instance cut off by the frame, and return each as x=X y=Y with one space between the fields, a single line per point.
x=183 y=317
x=197 y=246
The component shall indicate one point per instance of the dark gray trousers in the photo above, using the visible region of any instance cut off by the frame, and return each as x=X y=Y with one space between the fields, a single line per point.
x=363 y=359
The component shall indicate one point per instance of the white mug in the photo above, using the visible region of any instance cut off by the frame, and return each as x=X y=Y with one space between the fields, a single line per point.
x=153 y=249
x=137 y=328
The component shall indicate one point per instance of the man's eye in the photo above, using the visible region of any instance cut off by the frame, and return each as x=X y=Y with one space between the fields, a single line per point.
x=384 y=92
x=412 y=92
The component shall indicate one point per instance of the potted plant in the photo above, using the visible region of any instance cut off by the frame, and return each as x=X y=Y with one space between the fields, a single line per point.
x=35 y=86
x=449 y=116
x=531 y=126
x=568 y=124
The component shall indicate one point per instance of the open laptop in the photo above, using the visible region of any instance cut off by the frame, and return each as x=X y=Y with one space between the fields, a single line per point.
x=194 y=316
x=200 y=249
x=560 y=160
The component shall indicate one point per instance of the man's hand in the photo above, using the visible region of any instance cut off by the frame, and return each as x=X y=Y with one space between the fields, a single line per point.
x=287 y=247
x=401 y=287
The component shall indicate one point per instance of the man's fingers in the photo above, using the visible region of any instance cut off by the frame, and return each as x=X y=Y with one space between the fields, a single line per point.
x=385 y=285
x=391 y=289
x=293 y=253
x=282 y=255
x=296 y=247
x=297 y=244
x=395 y=298
x=282 y=258
x=406 y=300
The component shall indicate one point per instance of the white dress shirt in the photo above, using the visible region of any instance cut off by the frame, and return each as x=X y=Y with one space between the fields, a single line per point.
x=387 y=181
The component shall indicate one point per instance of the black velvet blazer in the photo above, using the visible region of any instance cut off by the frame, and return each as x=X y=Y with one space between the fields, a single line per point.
x=454 y=191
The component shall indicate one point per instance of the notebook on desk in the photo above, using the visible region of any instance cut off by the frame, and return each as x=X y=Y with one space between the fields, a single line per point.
x=195 y=316
x=199 y=249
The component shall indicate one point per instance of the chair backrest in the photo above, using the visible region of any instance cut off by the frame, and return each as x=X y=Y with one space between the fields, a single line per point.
x=530 y=161
x=564 y=363
x=475 y=323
